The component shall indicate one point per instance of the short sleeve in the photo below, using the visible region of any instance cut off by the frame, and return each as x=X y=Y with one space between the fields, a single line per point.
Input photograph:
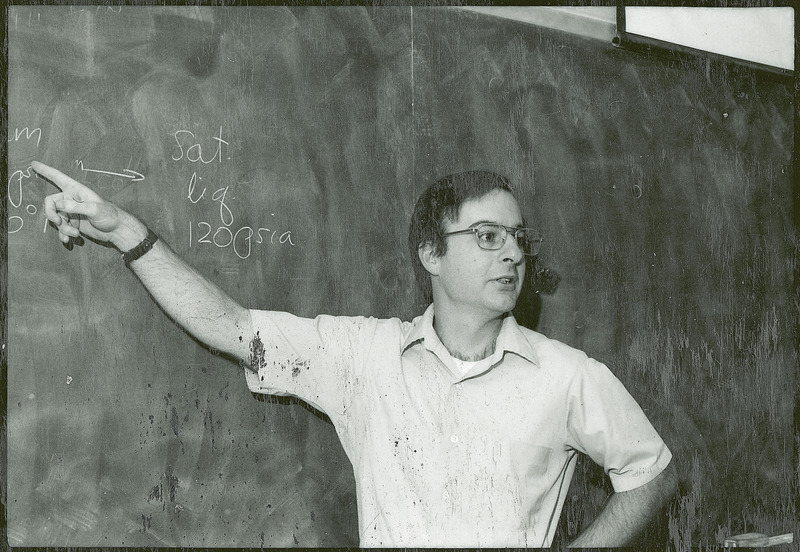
x=606 y=423
x=312 y=359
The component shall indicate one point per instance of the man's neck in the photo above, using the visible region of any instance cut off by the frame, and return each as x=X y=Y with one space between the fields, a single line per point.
x=466 y=338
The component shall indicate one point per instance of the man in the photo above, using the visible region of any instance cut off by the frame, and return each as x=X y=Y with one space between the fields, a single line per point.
x=462 y=426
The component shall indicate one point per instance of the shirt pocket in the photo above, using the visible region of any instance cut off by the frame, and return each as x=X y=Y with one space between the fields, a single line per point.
x=529 y=461
x=531 y=468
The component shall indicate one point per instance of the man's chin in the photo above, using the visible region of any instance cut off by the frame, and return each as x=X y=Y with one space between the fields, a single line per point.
x=504 y=307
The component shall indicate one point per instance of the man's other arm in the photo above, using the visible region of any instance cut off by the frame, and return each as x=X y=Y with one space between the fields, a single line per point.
x=626 y=514
x=191 y=300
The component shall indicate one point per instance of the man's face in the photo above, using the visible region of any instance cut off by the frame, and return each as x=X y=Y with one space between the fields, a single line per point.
x=471 y=281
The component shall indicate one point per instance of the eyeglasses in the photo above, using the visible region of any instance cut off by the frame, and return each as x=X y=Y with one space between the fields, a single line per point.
x=492 y=236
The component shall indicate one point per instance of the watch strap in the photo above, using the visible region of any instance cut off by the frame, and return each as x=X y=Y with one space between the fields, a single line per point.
x=144 y=246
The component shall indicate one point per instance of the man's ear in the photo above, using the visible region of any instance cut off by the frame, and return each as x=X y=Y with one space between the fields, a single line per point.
x=429 y=258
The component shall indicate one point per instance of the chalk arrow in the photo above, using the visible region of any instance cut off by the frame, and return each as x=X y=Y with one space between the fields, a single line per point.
x=126 y=173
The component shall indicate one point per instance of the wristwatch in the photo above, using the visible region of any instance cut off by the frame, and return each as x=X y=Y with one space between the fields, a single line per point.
x=144 y=246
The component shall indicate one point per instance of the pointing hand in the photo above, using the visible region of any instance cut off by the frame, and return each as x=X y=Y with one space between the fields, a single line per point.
x=77 y=210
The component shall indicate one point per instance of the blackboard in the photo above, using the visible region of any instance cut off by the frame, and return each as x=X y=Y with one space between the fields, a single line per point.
x=280 y=151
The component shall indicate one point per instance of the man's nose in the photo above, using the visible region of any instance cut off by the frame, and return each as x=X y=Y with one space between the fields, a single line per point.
x=512 y=251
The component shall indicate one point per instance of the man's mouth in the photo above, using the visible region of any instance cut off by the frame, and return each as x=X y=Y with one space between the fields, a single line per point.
x=507 y=280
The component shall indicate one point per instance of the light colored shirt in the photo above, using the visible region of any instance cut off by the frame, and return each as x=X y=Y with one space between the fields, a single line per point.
x=445 y=458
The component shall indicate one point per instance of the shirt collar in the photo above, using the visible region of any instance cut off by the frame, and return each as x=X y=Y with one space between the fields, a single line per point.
x=511 y=339
x=421 y=327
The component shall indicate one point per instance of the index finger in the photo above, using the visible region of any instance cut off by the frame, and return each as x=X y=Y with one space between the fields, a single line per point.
x=59 y=179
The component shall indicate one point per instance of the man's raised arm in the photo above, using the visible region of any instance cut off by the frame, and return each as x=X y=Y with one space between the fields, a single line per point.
x=198 y=305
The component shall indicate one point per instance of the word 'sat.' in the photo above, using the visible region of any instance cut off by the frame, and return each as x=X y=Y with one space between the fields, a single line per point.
x=193 y=151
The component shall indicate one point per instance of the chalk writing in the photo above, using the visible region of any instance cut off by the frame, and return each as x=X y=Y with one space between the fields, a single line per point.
x=126 y=173
x=17 y=225
x=225 y=214
x=16 y=192
x=219 y=195
x=192 y=185
x=194 y=152
x=27 y=134
x=223 y=234
x=15 y=186
x=285 y=237
x=241 y=241
x=16 y=179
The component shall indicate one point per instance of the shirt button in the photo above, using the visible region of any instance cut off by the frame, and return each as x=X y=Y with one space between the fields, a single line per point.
x=459 y=386
x=454 y=439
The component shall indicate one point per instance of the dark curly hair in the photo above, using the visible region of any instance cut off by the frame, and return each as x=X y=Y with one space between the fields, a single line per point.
x=440 y=202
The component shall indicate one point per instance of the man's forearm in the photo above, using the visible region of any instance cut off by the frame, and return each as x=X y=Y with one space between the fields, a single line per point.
x=628 y=513
x=195 y=303
x=202 y=308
